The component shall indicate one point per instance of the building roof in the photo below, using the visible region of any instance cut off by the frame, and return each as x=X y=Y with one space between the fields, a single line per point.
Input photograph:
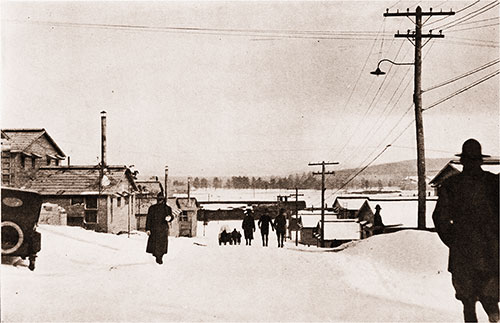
x=152 y=187
x=80 y=180
x=312 y=220
x=454 y=167
x=22 y=139
x=352 y=203
x=223 y=206
x=342 y=230
x=403 y=211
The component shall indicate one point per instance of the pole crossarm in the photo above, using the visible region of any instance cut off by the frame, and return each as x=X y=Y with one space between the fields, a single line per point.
x=321 y=173
x=414 y=14
x=398 y=35
x=323 y=163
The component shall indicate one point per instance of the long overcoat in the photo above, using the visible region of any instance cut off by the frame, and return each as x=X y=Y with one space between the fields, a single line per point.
x=248 y=226
x=466 y=219
x=157 y=224
x=280 y=224
x=264 y=222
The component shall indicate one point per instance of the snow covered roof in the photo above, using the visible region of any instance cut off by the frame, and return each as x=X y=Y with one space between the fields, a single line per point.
x=350 y=203
x=76 y=180
x=311 y=220
x=222 y=206
x=342 y=230
x=403 y=211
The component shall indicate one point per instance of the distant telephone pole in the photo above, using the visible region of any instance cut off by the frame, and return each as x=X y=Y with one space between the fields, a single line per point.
x=417 y=95
x=323 y=173
x=166 y=181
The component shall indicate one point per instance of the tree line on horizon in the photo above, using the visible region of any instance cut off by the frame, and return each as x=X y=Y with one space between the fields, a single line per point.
x=301 y=181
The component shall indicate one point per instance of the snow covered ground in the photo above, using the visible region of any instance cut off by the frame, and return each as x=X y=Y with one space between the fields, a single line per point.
x=86 y=276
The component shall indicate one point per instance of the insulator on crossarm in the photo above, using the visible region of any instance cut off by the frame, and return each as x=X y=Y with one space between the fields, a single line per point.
x=440 y=32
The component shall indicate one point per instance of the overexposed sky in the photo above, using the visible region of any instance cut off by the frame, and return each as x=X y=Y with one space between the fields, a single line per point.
x=253 y=88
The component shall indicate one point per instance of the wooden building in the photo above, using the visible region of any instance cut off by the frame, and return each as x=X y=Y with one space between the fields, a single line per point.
x=351 y=207
x=147 y=193
x=339 y=231
x=97 y=200
x=309 y=221
x=24 y=151
x=185 y=222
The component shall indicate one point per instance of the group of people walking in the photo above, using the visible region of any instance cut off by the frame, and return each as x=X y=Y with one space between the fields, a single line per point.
x=265 y=221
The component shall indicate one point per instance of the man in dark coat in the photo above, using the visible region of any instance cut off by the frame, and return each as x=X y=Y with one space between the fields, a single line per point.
x=378 y=225
x=264 y=222
x=159 y=215
x=466 y=219
x=280 y=225
x=248 y=226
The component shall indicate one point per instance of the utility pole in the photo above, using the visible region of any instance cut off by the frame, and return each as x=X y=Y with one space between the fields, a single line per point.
x=166 y=181
x=296 y=214
x=417 y=95
x=323 y=173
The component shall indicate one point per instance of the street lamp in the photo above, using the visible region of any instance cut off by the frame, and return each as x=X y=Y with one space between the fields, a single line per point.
x=379 y=72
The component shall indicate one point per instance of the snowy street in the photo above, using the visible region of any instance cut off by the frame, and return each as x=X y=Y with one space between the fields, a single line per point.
x=87 y=276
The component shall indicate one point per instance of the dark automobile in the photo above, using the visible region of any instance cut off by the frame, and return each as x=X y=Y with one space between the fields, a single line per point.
x=20 y=213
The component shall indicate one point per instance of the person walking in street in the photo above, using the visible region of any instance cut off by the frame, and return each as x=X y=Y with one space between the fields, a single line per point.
x=264 y=222
x=248 y=226
x=280 y=226
x=466 y=219
x=159 y=215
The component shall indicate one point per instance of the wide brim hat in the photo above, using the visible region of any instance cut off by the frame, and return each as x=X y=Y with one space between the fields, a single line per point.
x=472 y=149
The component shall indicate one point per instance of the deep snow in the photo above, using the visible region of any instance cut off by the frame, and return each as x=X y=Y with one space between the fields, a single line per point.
x=86 y=276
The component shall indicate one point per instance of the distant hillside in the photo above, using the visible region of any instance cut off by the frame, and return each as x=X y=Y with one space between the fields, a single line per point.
x=403 y=168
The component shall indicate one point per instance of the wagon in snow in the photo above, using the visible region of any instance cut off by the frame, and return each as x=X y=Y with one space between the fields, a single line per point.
x=20 y=213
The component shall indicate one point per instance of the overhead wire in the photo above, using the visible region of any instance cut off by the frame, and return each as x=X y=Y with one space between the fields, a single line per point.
x=471 y=28
x=470 y=86
x=468 y=16
x=459 y=77
x=456 y=12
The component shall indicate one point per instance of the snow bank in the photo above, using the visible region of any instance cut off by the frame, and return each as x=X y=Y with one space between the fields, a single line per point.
x=87 y=276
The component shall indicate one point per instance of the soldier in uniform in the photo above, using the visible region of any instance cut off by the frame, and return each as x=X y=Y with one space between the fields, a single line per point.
x=264 y=222
x=280 y=225
x=248 y=226
x=159 y=215
x=466 y=219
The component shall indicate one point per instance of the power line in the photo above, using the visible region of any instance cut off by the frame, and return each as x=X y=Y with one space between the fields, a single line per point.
x=481 y=80
x=458 y=11
x=471 y=28
x=468 y=16
x=477 y=69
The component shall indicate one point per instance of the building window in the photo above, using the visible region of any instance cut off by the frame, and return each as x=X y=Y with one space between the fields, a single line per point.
x=119 y=201
x=183 y=216
x=33 y=162
x=76 y=200
x=57 y=162
x=5 y=179
x=48 y=161
x=23 y=161
x=91 y=209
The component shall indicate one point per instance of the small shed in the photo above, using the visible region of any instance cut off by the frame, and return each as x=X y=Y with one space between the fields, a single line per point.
x=146 y=196
x=185 y=222
x=309 y=225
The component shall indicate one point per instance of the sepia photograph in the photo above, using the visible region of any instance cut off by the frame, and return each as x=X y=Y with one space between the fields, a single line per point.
x=250 y=161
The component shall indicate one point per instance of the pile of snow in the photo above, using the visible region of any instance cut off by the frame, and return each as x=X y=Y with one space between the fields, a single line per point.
x=87 y=276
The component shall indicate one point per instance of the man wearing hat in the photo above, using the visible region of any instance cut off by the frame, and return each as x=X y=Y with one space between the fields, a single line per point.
x=378 y=225
x=466 y=219
x=159 y=215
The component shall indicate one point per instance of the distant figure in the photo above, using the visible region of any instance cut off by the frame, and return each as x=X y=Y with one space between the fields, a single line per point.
x=466 y=219
x=159 y=215
x=378 y=225
x=248 y=227
x=236 y=237
x=224 y=237
x=280 y=226
x=264 y=222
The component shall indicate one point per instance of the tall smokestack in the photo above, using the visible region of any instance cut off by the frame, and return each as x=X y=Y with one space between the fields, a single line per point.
x=103 y=139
